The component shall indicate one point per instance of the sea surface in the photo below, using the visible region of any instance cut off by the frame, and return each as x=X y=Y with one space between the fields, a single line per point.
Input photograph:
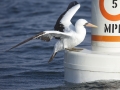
x=26 y=67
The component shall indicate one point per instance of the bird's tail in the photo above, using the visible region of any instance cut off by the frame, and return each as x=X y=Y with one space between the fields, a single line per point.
x=51 y=58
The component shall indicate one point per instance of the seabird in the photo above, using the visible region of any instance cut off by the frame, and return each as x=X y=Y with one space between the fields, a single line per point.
x=65 y=32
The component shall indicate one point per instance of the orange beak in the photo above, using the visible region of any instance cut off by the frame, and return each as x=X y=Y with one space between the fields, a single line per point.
x=90 y=25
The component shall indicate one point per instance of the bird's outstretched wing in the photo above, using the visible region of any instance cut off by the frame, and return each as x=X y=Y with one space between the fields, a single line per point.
x=70 y=12
x=45 y=36
x=66 y=16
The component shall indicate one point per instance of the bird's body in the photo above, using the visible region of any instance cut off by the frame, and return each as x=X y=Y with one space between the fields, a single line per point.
x=68 y=28
x=65 y=32
x=76 y=37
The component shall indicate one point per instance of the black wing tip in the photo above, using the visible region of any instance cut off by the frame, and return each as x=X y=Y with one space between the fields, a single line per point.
x=34 y=37
x=73 y=3
x=10 y=49
x=7 y=50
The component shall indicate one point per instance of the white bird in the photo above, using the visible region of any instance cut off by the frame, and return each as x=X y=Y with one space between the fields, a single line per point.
x=67 y=34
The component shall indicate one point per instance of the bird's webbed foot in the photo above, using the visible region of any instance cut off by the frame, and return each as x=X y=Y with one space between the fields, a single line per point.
x=74 y=49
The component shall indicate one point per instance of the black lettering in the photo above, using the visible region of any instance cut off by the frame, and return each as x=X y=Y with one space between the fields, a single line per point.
x=110 y=28
x=119 y=28
x=114 y=4
x=107 y=29
x=113 y=28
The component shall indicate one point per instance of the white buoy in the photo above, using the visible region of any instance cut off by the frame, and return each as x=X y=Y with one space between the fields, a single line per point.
x=106 y=15
x=103 y=61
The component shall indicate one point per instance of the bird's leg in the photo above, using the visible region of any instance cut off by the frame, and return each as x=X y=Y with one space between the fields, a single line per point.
x=51 y=58
x=68 y=49
x=76 y=49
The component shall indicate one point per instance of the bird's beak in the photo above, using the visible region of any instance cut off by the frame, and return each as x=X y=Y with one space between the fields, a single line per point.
x=90 y=25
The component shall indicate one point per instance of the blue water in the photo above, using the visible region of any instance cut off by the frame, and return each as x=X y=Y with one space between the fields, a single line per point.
x=26 y=67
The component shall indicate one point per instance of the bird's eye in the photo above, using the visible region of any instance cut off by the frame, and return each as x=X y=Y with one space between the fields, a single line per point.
x=85 y=24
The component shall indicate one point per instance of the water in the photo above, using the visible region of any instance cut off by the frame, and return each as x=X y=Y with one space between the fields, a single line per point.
x=26 y=67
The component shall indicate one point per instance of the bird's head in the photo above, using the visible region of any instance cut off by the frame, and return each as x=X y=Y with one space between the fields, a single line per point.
x=83 y=22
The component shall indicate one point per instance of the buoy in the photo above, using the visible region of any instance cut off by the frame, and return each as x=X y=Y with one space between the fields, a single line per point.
x=106 y=15
x=103 y=61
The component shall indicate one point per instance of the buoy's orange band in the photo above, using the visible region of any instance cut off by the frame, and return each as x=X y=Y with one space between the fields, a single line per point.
x=105 y=38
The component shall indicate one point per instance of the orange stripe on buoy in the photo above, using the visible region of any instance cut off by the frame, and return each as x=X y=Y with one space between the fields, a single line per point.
x=106 y=38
